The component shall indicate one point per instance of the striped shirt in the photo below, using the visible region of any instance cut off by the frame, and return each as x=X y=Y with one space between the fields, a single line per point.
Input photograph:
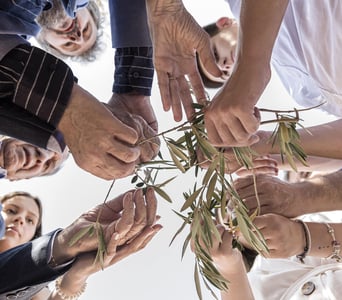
x=35 y=88
x=133 y=70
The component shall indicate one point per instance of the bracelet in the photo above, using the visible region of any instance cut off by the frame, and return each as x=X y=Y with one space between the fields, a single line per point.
x=68 y=297
x=307 y=236
x=335 y=244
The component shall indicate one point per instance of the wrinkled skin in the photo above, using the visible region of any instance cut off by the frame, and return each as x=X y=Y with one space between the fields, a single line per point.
x=177 y=38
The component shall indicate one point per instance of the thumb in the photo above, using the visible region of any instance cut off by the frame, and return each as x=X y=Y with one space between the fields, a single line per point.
x=207 y=57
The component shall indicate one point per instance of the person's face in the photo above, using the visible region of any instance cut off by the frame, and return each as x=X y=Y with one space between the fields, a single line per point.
x=24 y=161
x=224 y=44
x=21 y=216
x=69 y=36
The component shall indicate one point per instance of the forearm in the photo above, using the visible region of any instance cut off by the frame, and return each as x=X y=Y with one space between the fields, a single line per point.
x=259 y=25
x=316 y=194
x=321 y=193
x=238 y=286
x=313 y=163
x=321 y=239
x=321 y=141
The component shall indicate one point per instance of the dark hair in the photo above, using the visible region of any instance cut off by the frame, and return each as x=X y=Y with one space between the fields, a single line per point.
x=91 y=54
x=8 y=196
x=212 y=29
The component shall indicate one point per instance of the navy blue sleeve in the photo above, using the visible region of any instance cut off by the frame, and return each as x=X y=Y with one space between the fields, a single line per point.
x=129 y=27
x=27 y=265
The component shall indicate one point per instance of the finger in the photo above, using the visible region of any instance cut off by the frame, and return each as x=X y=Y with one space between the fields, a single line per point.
x=124 y=132
x=124 y=224
x=137 y=244
x=112 y=247
x=269 y=170
x=164 y=88
x=151 y=203
x=186 y=97
x=213 y=135
x=252 y=204
x=236 y=129
x=175 y=99
x=122 y=151
x=116 y=204
x=226 y=245
x=245 y=186
x=198 y=87
x=150 y=236
x=114 y=169
x=250 y=120
x=207 y=56
x=140 y=208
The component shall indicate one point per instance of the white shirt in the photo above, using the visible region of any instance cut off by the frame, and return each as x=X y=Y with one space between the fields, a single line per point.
x=307 y=52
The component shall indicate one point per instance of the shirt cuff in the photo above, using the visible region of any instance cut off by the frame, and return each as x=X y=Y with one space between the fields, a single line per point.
x=50 y=260
x=133 y=70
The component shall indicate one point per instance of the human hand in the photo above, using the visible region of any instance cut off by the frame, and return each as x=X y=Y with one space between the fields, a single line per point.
x=126 y=216
x=176 y=38
x=222 y=252
x=99 y=142
x=261 y=165
x=232 y=119
x=231 y=163
x=86 y=264
x=135 y=104
x=284 y=237
x=148 y=142
x=274 y=195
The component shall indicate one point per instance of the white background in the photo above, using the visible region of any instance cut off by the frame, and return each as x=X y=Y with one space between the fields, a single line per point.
x=157 y=272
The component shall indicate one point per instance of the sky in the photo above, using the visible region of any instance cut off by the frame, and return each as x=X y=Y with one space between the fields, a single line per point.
x=157 y=272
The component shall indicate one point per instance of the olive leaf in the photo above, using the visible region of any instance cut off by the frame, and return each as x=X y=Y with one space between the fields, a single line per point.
x=205 y=205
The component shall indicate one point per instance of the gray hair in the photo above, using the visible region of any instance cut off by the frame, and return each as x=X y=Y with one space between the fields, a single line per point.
x=92 y=53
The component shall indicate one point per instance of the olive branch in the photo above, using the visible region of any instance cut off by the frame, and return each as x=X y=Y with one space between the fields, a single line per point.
x=205 y=205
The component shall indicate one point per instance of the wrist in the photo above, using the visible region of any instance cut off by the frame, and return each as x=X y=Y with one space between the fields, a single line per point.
x=304 y=245
x=264 y=145
x=67 y=290
x=61 y=251
x=163 y=8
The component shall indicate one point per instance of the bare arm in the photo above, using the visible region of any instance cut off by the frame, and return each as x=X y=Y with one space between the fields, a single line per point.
x=231 y=118
x=322 y=140
x=320 y=193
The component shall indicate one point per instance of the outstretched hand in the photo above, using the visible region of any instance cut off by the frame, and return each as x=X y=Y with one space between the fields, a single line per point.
x=125 y=216
x=85 y=264
x=176 y=38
